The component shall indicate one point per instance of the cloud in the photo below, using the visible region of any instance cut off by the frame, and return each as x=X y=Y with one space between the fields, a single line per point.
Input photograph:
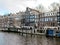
x=17 y=5
x=14 y=6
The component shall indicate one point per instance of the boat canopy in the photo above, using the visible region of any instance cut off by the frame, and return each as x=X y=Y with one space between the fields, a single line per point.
x=49 y=27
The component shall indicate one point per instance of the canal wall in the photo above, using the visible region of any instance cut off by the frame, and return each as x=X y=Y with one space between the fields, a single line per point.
x=23 y=31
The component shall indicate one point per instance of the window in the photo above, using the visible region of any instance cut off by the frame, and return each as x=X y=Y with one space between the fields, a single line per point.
x=59 y=23
x=51 y=13
x=42 y=19
x=58 y=14
x=55 y=18
x=36 y=16
x=32 y=20
x=16 y=18
x=32 y=16
x=46 y=19
x=27 y=16
x=27 y=20
x=53 y=24
x=58 y=19
x=36 y=20
x=50 y=19
x=31 y=13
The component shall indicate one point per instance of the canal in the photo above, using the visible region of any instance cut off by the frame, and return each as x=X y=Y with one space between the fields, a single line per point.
x=18 y=39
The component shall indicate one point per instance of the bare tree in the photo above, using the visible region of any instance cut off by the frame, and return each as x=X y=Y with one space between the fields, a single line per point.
x=54 y=6
x=40 y=8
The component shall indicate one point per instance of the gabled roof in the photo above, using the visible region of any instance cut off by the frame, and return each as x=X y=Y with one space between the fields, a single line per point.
x=33 y=10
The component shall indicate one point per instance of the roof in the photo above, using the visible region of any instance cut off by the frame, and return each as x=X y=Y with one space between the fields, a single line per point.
x=33 y=10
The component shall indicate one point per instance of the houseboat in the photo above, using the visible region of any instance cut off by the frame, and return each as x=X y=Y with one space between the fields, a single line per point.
x=52 y=31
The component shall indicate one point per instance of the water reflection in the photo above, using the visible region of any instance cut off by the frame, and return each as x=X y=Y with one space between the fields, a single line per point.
x=16 y=39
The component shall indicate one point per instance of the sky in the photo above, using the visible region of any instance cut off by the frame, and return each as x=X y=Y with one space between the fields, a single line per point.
x=13 y=6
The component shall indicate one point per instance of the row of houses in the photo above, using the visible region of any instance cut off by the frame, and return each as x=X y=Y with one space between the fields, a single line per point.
x=31 y=17
x=11 y=20
x=40 y=20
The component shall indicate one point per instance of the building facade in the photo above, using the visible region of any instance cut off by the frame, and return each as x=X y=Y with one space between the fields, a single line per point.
x=49 y=19
x=31 y=17
x=11 y=20
x=1 y=21
x=42 y=21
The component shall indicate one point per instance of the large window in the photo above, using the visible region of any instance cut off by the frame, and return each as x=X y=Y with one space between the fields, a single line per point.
x=32 y=17
x=50 y=19
x=42 y=19
x=58 y=19
x=46 y=19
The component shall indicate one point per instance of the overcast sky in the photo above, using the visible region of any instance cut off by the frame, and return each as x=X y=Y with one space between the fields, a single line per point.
x=13 y=6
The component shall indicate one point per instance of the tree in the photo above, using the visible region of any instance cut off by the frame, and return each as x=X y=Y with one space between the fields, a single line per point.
x=40 y=8
x=54 y=6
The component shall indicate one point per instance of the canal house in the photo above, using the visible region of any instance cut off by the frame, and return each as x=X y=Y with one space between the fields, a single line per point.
x=31 y=18
x=40 y=20
x=48 y=20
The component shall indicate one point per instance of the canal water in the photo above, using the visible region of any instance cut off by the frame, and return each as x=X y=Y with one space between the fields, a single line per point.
x=18 y=39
